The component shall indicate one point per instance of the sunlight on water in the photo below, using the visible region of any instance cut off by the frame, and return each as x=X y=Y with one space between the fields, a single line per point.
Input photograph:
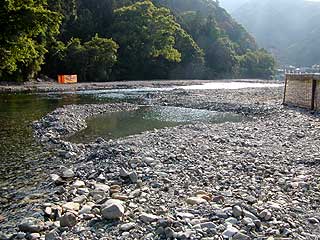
x=122 y=124
x=230 y=85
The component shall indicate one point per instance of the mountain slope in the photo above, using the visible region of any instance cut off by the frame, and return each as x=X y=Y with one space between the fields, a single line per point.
x=288 y=28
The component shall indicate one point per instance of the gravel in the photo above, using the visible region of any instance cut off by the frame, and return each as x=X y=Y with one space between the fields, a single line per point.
x=257 y=179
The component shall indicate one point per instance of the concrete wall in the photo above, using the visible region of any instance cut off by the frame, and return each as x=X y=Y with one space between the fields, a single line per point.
x=299 y=91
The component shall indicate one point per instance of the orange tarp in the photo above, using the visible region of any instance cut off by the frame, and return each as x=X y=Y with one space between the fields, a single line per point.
x=63 y=79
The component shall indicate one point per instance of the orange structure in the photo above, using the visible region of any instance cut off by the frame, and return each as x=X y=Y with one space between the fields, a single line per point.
x=63 y=79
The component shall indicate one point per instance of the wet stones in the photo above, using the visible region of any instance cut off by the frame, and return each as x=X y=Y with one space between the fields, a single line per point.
x=112 y=209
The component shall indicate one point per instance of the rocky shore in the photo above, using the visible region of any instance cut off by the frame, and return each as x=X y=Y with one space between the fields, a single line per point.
x=52 y=86
x=251 y=180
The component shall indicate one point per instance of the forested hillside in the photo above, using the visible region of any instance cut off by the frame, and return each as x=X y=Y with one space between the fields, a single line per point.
x=288 y=28
x=103 y=40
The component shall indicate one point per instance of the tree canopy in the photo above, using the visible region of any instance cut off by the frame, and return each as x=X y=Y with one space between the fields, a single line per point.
x=27 y=27
x=102 y=40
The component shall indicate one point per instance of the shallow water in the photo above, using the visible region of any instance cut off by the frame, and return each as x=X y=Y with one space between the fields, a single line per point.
x=20 y=154
x=231 y=85
x=121 y=124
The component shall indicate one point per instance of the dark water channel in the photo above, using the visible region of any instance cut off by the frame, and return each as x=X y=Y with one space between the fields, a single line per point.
x=22 y=160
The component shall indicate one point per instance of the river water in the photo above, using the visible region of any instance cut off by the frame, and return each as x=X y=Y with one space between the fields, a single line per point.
x=20 y=154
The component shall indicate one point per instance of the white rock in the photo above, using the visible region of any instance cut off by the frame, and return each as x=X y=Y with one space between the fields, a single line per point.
x=147 y=218
x=195 y=200
x=86 y=209
x=127 y=226
x=78 y=184
x=71 y=206
x=101 y=187
x=68 y=173
x=112 y=209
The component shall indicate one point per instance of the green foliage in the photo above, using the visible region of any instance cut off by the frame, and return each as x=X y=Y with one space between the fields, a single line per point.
x=148 y=34
x=158 y=39
x=26 y=28
x=222 y=39
x=257 y=64
x=92 y=61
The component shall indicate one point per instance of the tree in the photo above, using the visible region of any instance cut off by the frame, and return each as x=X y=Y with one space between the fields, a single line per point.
x=147 y=35
x=221 y=58
x=26 y=28
x=257 y=64
x=92 y=61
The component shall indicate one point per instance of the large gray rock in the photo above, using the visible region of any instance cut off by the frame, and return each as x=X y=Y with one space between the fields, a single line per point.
x=52 y=235
x=112 y=209
x=230 y=232
x=31 y=225
x=68 y=220
x=237 y=211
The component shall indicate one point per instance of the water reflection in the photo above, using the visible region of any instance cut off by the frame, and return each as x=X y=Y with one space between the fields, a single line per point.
x=121 y=124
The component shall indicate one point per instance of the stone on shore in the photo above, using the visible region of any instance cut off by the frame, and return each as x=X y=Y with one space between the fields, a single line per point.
x=68 y=220
x=112 y=209
x=31 y=225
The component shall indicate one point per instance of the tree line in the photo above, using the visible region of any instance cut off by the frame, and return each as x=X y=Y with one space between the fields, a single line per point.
x=104 y=40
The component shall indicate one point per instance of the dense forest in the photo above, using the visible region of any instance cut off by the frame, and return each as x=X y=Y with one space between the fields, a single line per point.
x=288 y=28
x=103 y=40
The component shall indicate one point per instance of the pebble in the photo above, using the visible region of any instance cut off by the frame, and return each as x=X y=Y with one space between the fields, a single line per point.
x=68 y=220
x=147 y=218
x=265 y=215
x=68 y=173
x=230 y=232
x=127 y=226
x=313 y=220
x=71 y=206
x=195 y=200
x=112 y=209
x=34 y=236
x=52 y=235
x=31 y=225
x=237 y=211
x=78 y=184
x=133 y=177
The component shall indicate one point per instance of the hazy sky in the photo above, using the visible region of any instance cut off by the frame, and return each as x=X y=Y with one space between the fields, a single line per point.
x=232 y=5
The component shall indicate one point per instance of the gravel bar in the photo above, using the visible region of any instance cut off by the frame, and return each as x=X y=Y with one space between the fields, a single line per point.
x=257 y=179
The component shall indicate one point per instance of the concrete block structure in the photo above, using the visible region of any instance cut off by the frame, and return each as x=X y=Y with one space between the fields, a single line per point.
x=302 y=90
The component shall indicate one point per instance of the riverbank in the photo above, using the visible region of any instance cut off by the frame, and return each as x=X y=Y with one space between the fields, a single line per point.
x=257 y=179
x=45 y=86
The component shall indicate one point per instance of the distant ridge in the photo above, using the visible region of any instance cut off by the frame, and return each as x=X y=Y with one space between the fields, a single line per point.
x=288 y=28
